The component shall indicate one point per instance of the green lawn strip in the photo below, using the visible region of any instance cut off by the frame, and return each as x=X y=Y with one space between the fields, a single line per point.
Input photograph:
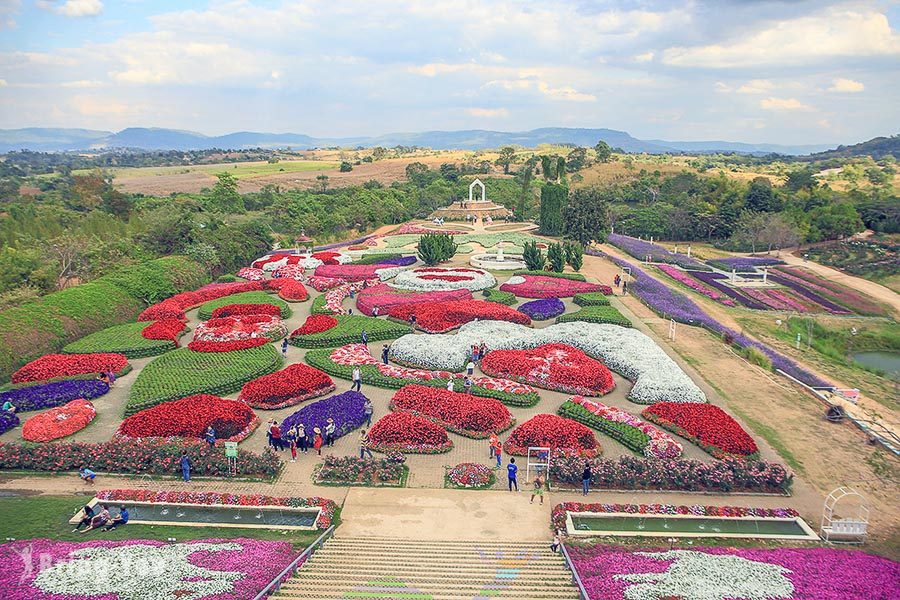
x=349 y=330
x=318 y=306
x=207 y=308
x=124 y=339
x=631 y=437
x=591 y=299
x=572 y=276
x=495 y=295
x=596 y=314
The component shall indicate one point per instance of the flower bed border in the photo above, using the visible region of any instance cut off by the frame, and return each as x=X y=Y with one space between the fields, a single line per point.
x=558 y=514
x=710 y=449
x=628 y=435
x=450 y=484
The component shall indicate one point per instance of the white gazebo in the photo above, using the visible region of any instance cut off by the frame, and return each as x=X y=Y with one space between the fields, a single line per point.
x=472 y=186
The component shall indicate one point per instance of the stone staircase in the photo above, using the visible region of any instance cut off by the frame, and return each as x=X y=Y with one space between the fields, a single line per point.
x=370 y=567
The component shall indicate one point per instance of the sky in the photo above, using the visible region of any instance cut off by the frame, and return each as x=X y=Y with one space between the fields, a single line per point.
x=788 y=71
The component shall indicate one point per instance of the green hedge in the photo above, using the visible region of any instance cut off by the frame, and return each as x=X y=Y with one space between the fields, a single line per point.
x=318 y=306
x=184 y=372
x=125 y=339
x=500 y=297
x=591 y=299
x=349 y=331
x=573 y=276
x=373 y=259
x=596 y=314
x=207 y=308
x=631 y=437
x=158 y=279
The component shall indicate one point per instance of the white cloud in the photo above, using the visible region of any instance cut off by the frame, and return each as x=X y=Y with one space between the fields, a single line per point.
x=564 y=93
x=104 y=106
x=846 y=85
x=643 y=58
x=73 y=8
x=3 y=83
x=8 y=10
x=490 y=113
x=723 y=88
x=756 y=86
x=783 y=104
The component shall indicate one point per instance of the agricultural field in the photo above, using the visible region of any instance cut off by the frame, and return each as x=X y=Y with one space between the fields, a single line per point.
x=876 y=258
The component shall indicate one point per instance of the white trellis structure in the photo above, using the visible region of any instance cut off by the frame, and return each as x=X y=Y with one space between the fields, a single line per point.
x=539 y=458
x=472 y=186
x=672 y=330
x=846 y=529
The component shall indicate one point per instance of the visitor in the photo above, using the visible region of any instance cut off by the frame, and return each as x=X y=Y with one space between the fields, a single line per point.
x=450 y=385
x=375 y=312
x=412 y=320
x=357 y=379
x=100 y=520
x=470 y=368
x=275 y=432
x=120 y=519
x=88 y=513
x=185 y=466
x=210 y=436
x=317 y=440
x=103 y=377
x=364 y=444
x=497 y=449
x=384 y=353
x=511 y=470
x=538 y=488
x=300 y=436
x=364 y=337
x=482 y=351
x=624 y=287
x=616 y=280
x=329 y=432
x=293 y=448
x=368 y=409
x=492 y=442
x=111 y=378
x=9 y=407
x=352 y=293
x=467 y=384
x=86 y=475
x=554 y=547
x=586 y=476
x=284 y=346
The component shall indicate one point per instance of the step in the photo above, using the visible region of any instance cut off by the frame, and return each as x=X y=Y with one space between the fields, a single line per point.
x=569 y=594
x=426 y=574
x=355 y=556
x=403 y=543
x=433 y=565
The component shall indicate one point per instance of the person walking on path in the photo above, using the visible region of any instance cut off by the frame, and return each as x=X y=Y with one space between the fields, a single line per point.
x=470 y=368
x=467 y=384
x=364 y=337
x=384 y=353
x=624 y=287
x=284 y=346
x=450 y=385
x=293 y=449
x=111 y=378
x=210 y=436
x=497 y=449
x=329 y=432
x=368 y=409
x=482 y=350
x=357 y=379
x=275 y=432
x=300 y=434
x=185 y=466
x=492 y=441
x=364 y=444
x=586 y=478
x=511 y=471
x=617 y=280
x=317 y=440
x=538 y=488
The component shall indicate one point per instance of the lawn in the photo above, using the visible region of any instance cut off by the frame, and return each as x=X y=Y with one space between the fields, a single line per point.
x=240 y=170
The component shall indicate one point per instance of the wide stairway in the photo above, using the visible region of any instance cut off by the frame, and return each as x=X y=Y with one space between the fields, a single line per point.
x=431 y=570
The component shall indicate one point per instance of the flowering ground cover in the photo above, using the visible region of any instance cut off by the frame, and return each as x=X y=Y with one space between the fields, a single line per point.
x=442 y=279
x=464 y=414
x=331 y=302
x=558 y=516
x=357 y=272
x=408 y=433
x=239 y=328
x=596 y=314
x=316 y=324
x=706 y=425
x=164 y=329
x=348 y=330
x=591 y=299
x=59 y=422
x=189 y=417
x=686 y=280
x=440 y=317
x=251 y=274
x=640 y=250
x=321 y=284
x=64 y=366
x=184 y=372
x=554 y=432
x=470 y=476
x=295 y=272
x=843 y=296
x=175 y=306
x=274 y=260
x=627 y=351
x=616 y=573
x=389 y=471
x=292 y=385
x=340 y=362
x=494 y=295
x=126 y=339
x=623 y=427
x=226 y=346
x=142 y=569
x=573 y=276
x=543 y=286
x=347 y=409
x=289 y=290
x=808 y=291
x=154 y=456
x=778 y=299
x=543 y=309
x=55 y=393
x=239 y=310
x=384 y=298
x=744 y=264
x=8 y=420
x=553 y=367
x=332 y=258
x=207 y=308
x=715 y=281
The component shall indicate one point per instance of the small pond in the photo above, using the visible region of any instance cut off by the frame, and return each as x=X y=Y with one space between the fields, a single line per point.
x=224 y=516
x=689 y=526
x=886 y=361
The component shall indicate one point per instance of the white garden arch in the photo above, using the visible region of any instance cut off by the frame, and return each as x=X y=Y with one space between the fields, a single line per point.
x=472 y=186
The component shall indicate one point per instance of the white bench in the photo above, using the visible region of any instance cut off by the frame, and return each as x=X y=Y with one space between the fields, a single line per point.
x=846 y=529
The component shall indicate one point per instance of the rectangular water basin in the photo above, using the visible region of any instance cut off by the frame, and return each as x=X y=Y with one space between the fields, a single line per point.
x=654 y=525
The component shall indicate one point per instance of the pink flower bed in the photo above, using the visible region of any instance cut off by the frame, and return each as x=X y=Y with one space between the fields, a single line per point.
x=685 y=279
x=321 y=284
x=543 y=286
x=776 y=299
x=418 y=229
x=615 y=573
x=384 y=297
x=334 y=298
x=350 y=272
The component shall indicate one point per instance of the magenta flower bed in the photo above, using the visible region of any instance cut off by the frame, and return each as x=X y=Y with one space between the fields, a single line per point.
x=685 y=279
x=777 y=299
x=614 y=573
x=384 y=297
x=213 y=569
x=544 y=286
x=713 y=280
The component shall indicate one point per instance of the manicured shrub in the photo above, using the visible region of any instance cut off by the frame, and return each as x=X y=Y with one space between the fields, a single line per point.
x=436 y=248
x=124 y=339
x=495 y=295
x=596 y=314
x=349 y=330
x=207 y=308
x=591 y=299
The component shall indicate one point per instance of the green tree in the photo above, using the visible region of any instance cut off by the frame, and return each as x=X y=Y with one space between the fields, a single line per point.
x=834 y=221
x=532 y=256
x=525 y=194
x=203 y=253
x=553 y=201
x=379 y=153
x=224 y=196
x=548 y=167
x=561 y=168
x=436 y=248
x=323 y=181
x=586 y=216
x=506 y=158
x=761 y=196
x=556 y=257
x=576 y=160
x=346 y=167
x=801 y=179
x=417 y=173
x=603 y=151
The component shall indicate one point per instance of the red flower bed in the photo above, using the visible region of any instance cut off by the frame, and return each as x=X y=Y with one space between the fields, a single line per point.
x=174 y=307
x=59 y=422
x=349 y=272
x=438 y=317
x=229 y=346
x=445 y=277
x=167 y=329
x=189 y=417
x=554 y=432
x=553 y=367
x=467 y=415
x=53 y=366
x=384 y=297
x=240 y=327
x=409 y=433
x=276 y=256
x=323 y=284
x=315 y=324
x=543 y=286
x=327 y=258
x=287 y=387
x=289 y=290
x=230 y=310
x=706 y=425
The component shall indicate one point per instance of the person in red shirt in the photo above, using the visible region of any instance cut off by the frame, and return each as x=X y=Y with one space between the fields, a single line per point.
x=318 y=441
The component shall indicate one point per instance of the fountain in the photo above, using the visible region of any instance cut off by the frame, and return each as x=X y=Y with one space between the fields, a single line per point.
x=498 y=261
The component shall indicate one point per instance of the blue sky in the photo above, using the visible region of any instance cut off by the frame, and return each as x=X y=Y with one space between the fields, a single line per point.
x=790 y=71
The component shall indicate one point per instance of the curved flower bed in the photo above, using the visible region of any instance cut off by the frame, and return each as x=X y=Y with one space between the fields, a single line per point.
x=289 y=290
x=543 y=309
x=440 y=317
x=295 y=272
x=127 y=339
x=554 y=432
x=608 y=315
x=471 y=476
x=553 y=367
x=58 y=366
x=174 y=307
x=332 y=258
x=558 y=516
x=251 y=274
x=384 y=298
x=184 y=372
x=8 y=421
x=347 y=410
x=611 y=572
x=408 y=433
x=334 y=298
x=48 y=395
x=543 y=286
x=292 y=385
x=356 y=272
x=59 y=422
x=629 y=352
x=189 y=417
x=349 y=329
x=623 y=427
x=240 y=310
x=460 y=413
x=685 y=279
x=165 y=329
x=315 y=324
x=275 y=259
x=706 y=425
x=240 y=327
x=227 y=346
x=321 y=284
x=206 y=309
x=442 y=279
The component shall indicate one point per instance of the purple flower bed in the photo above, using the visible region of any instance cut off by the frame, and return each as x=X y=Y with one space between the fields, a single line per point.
x=399 y=261
x=8 y=420
x=352 y=242
x=713 y=280
x=744 y=264
x=641 y=250
x=616 y=573
x=347 y=410
x=57 y=393
x=671 y=304
x=808 y=293
x=543 y=309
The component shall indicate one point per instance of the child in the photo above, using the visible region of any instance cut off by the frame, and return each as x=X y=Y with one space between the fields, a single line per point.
x=293 y=449
x=498 y=451
x=538 y=489
x=318 y=441
x=554 y=547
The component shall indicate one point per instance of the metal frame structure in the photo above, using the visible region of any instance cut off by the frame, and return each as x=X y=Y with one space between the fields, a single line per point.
x=846 y=530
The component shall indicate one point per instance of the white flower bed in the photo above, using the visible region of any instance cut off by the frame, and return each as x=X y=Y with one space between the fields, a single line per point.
x=388 y=272
x=456 y=279
x=657 y=378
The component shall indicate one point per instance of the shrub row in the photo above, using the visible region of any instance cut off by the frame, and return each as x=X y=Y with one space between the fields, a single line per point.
x=495 y=295
x=596 y=314
x=123 y=339
x=573 y=276
x=591 y=299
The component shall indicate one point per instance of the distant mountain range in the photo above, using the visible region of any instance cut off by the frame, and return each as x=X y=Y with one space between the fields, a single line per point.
x=59 y=140
x=877 y=148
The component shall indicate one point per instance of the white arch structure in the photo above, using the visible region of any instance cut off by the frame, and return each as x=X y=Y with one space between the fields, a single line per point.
x=478 y=183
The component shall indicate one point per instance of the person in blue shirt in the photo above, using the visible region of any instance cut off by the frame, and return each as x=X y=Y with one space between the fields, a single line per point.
x=86 y=475
x=210 y=436
x=121 y=519
x=284 y=347
x=511 y=470
x=364 y=337
x=185 y=466
x=10 y=407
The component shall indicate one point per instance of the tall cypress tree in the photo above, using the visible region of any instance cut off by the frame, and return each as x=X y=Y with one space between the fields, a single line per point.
x=553 y=200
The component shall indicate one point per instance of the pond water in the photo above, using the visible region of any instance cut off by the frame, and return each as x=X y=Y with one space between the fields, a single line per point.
x=243 y=515
x=889 y=362
x=710 y=526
